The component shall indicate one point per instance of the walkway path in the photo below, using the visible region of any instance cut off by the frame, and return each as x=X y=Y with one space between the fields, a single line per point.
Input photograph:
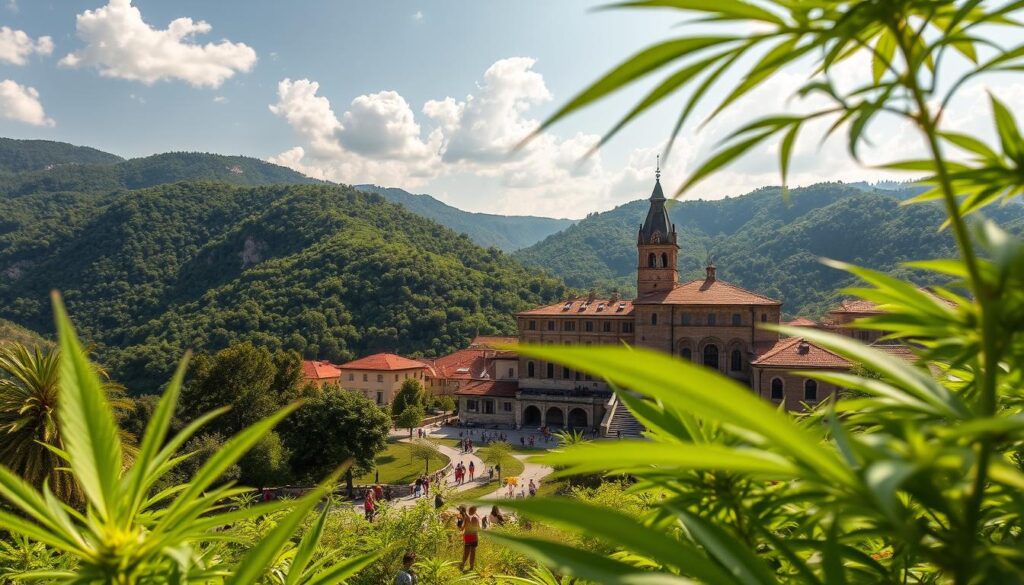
x=534 y=471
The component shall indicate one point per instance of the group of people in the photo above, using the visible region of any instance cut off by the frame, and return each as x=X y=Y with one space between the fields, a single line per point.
x=466 y=444
x=462 y=470
x=512 y=483
x=421 y=487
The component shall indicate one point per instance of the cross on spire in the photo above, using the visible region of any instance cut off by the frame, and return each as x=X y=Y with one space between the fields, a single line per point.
x=657 y=169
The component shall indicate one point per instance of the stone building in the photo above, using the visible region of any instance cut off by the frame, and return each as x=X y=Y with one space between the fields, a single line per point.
x=379 y=376
x=707 y=321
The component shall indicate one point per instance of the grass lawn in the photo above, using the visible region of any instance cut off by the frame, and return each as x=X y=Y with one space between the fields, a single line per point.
x=510 y=467
x=397 y=466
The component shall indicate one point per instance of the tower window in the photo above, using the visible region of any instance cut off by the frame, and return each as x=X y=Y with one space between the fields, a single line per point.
x=711 y=356
x=651 y=260
x=778 y=392
x=664 y=260
x=810 y=390
x=736 y=361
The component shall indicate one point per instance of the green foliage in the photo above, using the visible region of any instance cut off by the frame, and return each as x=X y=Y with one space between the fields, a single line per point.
x=444 y=403
x=410 y=417
x=125 y=535
x=914 y=479
x=426 y=451
x=267 y=464
x=33 y=155
x=203 y=265
x=410 y=394
x=504 y=232
x=332 y=427
x=13 y=333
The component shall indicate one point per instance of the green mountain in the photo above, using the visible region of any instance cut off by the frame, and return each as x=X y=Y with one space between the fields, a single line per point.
x=14 y=333
x=763 y=242
x=505 y=232
x=327 y=270
x=32 y=155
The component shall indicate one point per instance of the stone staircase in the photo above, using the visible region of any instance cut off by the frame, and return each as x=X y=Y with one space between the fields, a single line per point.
x=621 y=423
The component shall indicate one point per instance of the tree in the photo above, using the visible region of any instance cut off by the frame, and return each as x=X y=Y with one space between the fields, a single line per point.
x=29 y=425
x=495 y=454
x=251 y=380
x=445 y=403
x=410 y=418
x=425 y=450
x=410 y=394
x=332 y=427
x=266 y=464
x=914 y=482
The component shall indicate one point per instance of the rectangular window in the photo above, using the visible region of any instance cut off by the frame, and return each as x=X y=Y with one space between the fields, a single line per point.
x=551 y=325
x=380 y=398
x=351 y=377
x=532 y=326
x=711 y=319
x=627 y=327
x=396 y=377
x=551 y=371
x=589 y=326
x=565 y=373
x=606 y=326
x=511 y=373
x=471 y=405
x=488 y=406
x=380 y=377
x=686 y=318
x=736 y=320
x=506 y=406
x=365 y=378
x=569 y=326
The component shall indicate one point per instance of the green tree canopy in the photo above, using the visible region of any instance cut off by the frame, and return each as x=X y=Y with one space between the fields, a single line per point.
x=410 y=394
x=411 y=417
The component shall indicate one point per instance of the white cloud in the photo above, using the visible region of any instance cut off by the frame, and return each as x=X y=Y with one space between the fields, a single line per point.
x=120 y=44
x=219 y=99
x=21 y=103
x=16 y=46
x=418 y=15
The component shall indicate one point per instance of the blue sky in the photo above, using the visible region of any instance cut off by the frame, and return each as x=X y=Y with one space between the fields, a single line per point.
x=372 y=92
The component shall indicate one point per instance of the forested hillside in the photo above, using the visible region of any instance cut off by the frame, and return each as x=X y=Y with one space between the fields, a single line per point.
x=504 y=232
x=326 y=270
x=762 y=242
x=32 y=155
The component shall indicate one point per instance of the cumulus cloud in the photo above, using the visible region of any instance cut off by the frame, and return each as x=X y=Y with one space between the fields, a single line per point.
x=119 y=43
x=16 y=46
x=21 y=104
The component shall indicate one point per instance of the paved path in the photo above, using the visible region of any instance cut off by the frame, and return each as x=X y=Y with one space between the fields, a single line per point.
x=530 y=470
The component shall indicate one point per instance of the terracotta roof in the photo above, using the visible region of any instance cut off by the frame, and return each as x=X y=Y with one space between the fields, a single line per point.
x=706 y=292
x=493 y=341
x=796 y=353
x=582 y=307
x=317 y=370
x=857 y=306
x=383 y=361
x=465 y=364
x=896 y=350
x=498 y=388
x=802 y=322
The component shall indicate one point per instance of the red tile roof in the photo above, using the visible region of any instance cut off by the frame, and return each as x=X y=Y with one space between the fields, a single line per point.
x=492 y=341
x=383 y=361
x=796 y=353
x=857 y=306
x=896 y=350
x=706 y=292
x=317 y=370
x=582 y=307
x=802 y=322
x=463 y=364
x=496 y=388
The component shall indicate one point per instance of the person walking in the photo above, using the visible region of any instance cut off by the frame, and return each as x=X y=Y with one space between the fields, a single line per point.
x=405 y=575
x=533 y=488
x=417 y=487
x=472 y=470
x=470 y=537
x=369 y=505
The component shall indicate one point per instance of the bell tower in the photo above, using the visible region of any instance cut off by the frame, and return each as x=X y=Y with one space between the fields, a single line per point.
x=656 y=246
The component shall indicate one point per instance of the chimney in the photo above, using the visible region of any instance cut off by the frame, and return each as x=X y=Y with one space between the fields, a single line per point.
x=710 y=269
x=803 y=348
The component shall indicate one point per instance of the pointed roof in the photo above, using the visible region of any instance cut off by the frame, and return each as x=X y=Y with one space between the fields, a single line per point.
x=709 y=291
x=796 y=353
x=657 y=221
x=383 y=361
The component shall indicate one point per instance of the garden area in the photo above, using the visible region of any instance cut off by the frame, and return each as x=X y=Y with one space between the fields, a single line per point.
x=398 y=464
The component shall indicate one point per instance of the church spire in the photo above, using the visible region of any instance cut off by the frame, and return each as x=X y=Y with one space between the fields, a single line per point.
x=657 y=228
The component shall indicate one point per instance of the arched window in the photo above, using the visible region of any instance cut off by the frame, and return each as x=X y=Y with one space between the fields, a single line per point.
x=778 y=393
x=687 y=354
x=664 y=260
x=711 y=356
x=736 y=361
x=551 y=370
x=654 y=318
x=651 y=260
x=810 y=390
x=531 y=369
